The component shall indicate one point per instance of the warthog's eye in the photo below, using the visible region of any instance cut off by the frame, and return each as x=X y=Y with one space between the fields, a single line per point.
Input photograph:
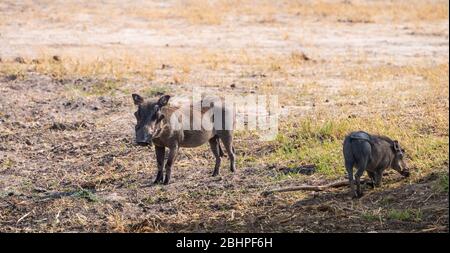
x=155 y=112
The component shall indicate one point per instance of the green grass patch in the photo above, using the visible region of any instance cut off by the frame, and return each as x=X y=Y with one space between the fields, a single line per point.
x=246 y=161
x=427 y=152
x=370 y=216
x=102 y=88
x=85 y=194
x=405 y=215
x=386 y=201
x=441 y=184
x=319 y=142
x=156 y=200
x=285 y=176
x=97 y=88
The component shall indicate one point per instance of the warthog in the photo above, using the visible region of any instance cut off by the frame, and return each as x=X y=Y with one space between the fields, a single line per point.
x=374 y=154
x=155 y=125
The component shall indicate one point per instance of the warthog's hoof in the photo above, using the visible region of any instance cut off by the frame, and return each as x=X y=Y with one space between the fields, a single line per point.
x=158 y=181
x=166 y=182
x=356 y=195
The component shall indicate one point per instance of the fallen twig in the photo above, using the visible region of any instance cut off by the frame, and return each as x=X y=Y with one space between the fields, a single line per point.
x=433 y=229
x=311 y=187
x=23 y=217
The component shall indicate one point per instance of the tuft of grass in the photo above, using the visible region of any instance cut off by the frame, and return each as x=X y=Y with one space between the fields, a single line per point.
x=116 y=222
x=275 y=66
x=387 y=200
x=298 y=58
x=441 y=184
x=156 y=91
x=85 y=194
x=156 y=200
x=97 y=88
x=405 y=215
x=107 y=87
x=7 y=163
x=370 y=216
x=13 y=70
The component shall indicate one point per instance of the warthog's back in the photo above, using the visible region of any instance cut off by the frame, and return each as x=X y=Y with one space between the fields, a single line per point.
x=193 y=125
x=196 y=117
x=359 y=146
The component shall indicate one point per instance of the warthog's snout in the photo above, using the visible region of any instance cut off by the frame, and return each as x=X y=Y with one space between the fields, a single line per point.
x=141 y=143
x=405 y=173
x=143 y=139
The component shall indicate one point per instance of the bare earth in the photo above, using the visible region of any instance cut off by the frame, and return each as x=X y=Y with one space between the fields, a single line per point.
x=67 y=158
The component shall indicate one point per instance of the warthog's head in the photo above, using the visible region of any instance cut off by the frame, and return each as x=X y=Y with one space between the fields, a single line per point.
x=399 y=164
x=148 y=117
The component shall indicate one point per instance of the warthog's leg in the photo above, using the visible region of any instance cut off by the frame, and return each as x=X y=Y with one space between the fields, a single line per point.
x=170 y=160
x=160 y=153
x=227 y=141
x=215 y=148
x=372 y=178
x=349 y=168
x=361 y=166
x=378 y=176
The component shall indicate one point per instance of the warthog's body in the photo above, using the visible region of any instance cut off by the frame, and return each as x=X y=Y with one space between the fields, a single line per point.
x=154 y=125
x=371 y=153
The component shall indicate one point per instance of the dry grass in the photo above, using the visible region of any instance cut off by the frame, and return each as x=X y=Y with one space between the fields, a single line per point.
x=204 y=12
x=145 y=65
x=118 y=67
x=379 y=11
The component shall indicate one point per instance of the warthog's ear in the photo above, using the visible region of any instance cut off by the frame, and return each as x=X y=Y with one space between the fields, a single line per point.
x=163 y=100
x=137 y=99
x=397 y=146
x=161 y=117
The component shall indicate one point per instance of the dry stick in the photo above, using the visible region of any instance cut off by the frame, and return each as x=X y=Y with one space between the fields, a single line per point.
x=311 y=187
x=23 y=217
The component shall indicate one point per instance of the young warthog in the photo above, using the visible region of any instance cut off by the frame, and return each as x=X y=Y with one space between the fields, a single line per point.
x=155 y=124
x=374 y=154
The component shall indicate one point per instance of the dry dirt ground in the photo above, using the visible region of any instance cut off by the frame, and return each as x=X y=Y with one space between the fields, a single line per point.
x=68 y=161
